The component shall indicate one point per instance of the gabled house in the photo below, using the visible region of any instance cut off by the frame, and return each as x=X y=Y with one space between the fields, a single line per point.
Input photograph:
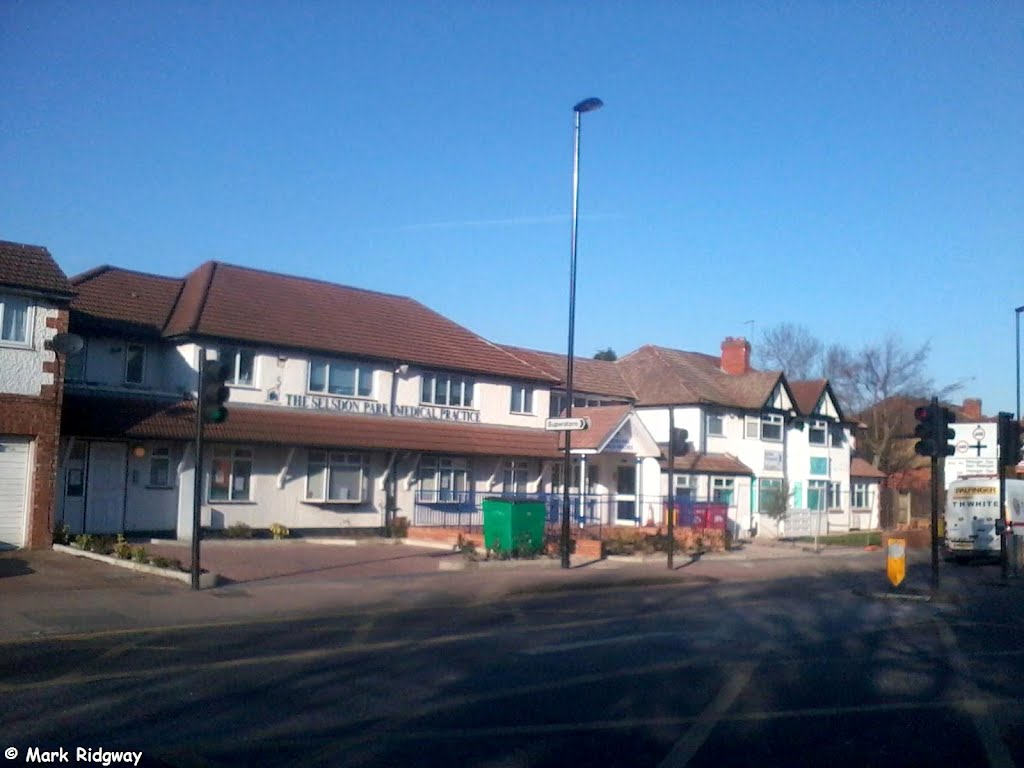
x=344 y=404
x=34 y=296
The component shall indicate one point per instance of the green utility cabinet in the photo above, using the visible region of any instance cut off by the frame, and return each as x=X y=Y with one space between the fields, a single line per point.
x=509 y=525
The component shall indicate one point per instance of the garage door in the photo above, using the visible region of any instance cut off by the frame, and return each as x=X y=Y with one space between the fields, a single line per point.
x=13 y=485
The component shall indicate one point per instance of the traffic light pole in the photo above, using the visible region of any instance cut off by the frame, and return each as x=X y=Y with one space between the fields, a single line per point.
x=935 y=522
x=197 y=484
x=671 y=491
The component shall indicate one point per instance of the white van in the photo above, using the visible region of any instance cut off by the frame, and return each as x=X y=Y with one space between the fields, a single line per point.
x=972 y=508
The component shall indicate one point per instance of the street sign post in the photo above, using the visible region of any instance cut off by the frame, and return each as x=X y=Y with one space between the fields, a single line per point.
x=566 y=425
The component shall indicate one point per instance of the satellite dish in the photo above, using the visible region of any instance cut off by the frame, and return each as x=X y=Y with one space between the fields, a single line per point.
x=67 y=343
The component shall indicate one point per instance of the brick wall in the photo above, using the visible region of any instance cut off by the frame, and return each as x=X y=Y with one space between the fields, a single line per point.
x=38 y=418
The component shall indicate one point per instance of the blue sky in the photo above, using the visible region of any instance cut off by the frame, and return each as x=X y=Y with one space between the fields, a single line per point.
x=848 y=166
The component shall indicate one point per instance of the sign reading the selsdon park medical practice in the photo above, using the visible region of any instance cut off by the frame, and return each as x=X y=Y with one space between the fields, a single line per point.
x=373 y=408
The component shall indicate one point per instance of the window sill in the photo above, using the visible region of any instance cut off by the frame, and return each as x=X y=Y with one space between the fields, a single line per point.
x=321 y=502
x=24 y=345
x=240 y=502
x=335 y=394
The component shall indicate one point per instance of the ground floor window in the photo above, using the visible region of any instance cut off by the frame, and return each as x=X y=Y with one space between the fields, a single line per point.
x=160 y=467
x=231 y=474
x=686 y=487
x=770 y=494
x=335 y=476
x=515 y=477
x=835 y=500
x=863 y=497
x=442 y=480
x=722 y=489
x=817 y=491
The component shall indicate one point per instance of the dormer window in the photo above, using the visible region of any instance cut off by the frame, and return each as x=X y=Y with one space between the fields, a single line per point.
x=817 y=433
x=13 y=320
x=337 y=377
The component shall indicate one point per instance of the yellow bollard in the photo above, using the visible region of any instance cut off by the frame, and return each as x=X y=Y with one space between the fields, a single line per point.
x=896 y=561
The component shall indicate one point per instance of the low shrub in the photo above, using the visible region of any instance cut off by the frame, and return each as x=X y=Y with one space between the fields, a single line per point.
x=61 y=534
x=279 y=531
x=238 y=531
x=139 y=555
x=122 y=548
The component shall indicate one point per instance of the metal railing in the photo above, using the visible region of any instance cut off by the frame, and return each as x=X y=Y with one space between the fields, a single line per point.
x=465 y=509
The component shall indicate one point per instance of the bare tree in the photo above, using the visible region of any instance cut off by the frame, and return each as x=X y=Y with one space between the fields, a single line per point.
x=606 y=354
x=789 y=348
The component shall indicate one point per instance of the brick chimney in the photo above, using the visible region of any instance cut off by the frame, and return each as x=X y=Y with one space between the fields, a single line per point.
x=971 y=409
x=735 y=355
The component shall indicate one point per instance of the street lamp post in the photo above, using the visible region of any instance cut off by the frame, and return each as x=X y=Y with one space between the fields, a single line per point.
x=1016 y=313
x=587 y=105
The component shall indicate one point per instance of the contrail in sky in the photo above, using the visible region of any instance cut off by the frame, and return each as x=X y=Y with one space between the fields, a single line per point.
x=511 y=221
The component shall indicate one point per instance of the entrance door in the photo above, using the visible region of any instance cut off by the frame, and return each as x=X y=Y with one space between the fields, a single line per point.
x=625 y=486
x=104 y=507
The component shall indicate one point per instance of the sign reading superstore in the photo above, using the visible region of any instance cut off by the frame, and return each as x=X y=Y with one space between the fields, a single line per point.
x=373 y=408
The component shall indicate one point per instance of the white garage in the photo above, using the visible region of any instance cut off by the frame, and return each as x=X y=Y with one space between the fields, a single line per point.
x=14 y=463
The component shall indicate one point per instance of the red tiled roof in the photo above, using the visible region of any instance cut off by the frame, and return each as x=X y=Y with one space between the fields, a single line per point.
x=807 y=394
x=662 y=376
x=709 y=464
x=225 y=301
x=31 y=267
x=88 y=416
x=120 y=301
x=861 y=468
x=603 y=421
x=596 y=377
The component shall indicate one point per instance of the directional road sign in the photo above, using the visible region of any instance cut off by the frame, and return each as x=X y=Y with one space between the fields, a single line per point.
x=566 y=425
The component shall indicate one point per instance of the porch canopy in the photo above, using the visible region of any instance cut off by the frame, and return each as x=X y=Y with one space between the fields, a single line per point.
x=135 y=418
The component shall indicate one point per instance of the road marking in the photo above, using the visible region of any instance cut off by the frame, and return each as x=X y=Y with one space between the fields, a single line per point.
x=615 y=640
x=986 y=728
x=688 y=746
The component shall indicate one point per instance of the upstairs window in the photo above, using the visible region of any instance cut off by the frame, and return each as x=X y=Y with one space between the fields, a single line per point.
x=447 y=389
x=817 y=433
x=336 y=377
x=13 y=320
x=134 y=363
x=771 y=427
x=522 y=399
x=74 y=364
x=716 y=425
x=241 y=365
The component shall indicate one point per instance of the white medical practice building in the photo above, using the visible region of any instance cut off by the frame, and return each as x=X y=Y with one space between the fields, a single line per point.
x=345 y=402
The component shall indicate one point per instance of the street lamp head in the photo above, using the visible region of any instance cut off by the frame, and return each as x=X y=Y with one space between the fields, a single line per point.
x=588 y=105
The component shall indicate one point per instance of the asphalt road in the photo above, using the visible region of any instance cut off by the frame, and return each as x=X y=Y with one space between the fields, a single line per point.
x=792 y=670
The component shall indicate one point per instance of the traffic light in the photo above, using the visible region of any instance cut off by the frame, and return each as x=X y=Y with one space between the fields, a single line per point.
x=213 y=392
x=679 y=438
x=1009 y=436
x=933 y=430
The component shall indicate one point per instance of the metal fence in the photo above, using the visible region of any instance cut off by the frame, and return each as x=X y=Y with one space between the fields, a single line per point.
x=464 y=509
